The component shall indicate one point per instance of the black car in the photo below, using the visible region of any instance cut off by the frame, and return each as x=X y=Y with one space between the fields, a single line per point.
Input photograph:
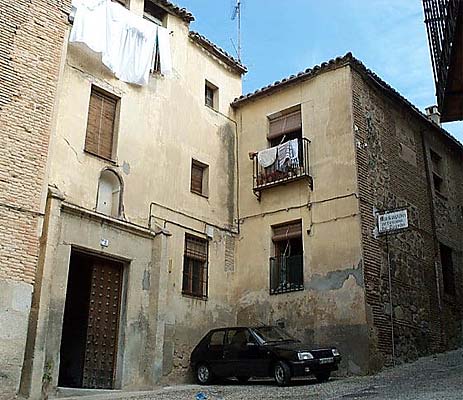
x=264 y=351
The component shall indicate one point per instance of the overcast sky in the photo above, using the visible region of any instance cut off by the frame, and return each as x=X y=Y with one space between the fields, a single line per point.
x=280 y=38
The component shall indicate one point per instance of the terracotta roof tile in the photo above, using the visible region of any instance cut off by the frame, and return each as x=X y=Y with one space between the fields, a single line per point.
x=332 y=64
x=218 y=52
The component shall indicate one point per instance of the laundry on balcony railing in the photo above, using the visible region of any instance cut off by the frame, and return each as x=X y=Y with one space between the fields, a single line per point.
x=128 y=43
x=285 y=162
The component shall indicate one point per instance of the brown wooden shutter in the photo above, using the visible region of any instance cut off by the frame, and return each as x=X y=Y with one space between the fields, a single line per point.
x=196 y=248
x=285 y=124
x=291 y=230
x=100 y=124
x=197 y=178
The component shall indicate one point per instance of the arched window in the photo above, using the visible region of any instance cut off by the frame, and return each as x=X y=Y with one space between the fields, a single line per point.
x=109 y=194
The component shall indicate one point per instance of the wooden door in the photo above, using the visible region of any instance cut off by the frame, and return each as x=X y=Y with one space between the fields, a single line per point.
x=103 y=325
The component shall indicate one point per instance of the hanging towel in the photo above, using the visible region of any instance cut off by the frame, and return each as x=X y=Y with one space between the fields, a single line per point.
x=288 y=155
x=164 y=51
x=294 y=145
x=284 y=156
x=267 y=157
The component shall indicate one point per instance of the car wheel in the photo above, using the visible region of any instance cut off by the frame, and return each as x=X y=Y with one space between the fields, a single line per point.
x=281 y=373
x=203 y=374
x=242 y=379
x=323 y=376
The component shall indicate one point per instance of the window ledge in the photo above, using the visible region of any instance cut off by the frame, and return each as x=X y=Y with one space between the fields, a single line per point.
x=289 y=290
x=200 y=194
x=194 y=296
x=113 y=162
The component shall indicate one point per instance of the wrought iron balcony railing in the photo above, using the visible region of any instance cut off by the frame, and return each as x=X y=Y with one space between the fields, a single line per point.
x=441 y=20
x=286 y=274
x=275 y=174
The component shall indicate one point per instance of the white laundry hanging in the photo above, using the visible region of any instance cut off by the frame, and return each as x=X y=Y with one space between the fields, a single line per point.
x=164 y=51
x=127 y=42
x=267 y=157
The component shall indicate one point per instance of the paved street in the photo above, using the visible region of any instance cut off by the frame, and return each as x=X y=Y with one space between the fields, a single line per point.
x=437 y=377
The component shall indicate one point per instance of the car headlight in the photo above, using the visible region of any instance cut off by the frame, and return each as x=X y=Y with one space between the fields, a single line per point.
x=304 y=355
x=335 y=352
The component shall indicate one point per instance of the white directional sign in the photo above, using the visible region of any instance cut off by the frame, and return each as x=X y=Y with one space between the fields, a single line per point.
x=392 y=221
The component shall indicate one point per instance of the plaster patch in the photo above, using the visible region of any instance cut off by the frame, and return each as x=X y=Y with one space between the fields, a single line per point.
x=334 y=280
x=126 y=168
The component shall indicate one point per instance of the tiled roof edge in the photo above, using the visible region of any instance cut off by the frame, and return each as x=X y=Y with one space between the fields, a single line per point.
x=336 y=63
x=180 y=12
x=218 y=52
x=383 y=85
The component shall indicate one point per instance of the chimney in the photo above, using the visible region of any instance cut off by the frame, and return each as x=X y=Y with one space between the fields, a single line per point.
x=433 y=114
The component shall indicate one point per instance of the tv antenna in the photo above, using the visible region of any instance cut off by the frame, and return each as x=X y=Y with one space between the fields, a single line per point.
x=237 y=16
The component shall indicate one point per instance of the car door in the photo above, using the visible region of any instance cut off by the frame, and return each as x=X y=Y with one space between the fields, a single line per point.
x=243 y=355
x=215 y=352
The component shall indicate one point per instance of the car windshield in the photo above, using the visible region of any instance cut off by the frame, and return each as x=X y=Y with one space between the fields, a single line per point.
x=273 y=334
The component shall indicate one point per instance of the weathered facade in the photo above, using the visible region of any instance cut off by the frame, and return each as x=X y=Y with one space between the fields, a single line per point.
x=160 y=223
x=370 y=151
x=31 y=46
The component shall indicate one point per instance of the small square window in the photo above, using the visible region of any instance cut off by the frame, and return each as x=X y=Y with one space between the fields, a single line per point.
x=199 y=178
x=154 y=13
x=195 y=259
x=211 y=97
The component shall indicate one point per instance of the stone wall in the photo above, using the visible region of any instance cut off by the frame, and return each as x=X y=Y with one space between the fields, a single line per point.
x=31 y=42
x=393 y=174
x=448 y=212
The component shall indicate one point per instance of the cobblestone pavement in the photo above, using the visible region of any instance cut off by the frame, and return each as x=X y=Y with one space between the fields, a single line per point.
x=438 y=377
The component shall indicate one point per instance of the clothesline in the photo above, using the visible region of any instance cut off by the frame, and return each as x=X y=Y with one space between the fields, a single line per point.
x=128 y=43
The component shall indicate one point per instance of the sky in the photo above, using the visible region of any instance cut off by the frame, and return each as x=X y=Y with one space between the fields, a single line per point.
x=280 y=38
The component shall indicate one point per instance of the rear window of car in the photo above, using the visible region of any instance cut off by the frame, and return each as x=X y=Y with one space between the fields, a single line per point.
x=217 y=338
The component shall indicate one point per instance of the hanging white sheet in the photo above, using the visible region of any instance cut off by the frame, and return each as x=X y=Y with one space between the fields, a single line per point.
x=127 y=42
x=164 y=51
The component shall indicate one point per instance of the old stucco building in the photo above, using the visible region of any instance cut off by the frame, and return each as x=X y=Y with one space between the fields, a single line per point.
x=160 y=221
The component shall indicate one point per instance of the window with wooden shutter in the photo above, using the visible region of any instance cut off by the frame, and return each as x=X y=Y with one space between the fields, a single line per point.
x=284 y=124
x=199 y=178
x=287 y=266
x=101 y=122
x=195 y=260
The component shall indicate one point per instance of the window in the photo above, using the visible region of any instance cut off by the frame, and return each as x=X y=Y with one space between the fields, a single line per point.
x=217 y=338
x=199 y=178
x=154 y=13
x=211 y=95
x=285 y=126
x=125 y=3
x=195 y=267
x=109 y=194
x=102 y=113
x=448 y=276
x=437 y=172
x=286 y=267
x=239 y=337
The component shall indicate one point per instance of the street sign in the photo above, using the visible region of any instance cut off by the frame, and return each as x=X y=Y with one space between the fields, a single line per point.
x=392 y=221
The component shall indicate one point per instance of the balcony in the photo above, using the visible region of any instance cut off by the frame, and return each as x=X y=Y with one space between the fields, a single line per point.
x=286 y=274
x=275 y=174
x=444 y=22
